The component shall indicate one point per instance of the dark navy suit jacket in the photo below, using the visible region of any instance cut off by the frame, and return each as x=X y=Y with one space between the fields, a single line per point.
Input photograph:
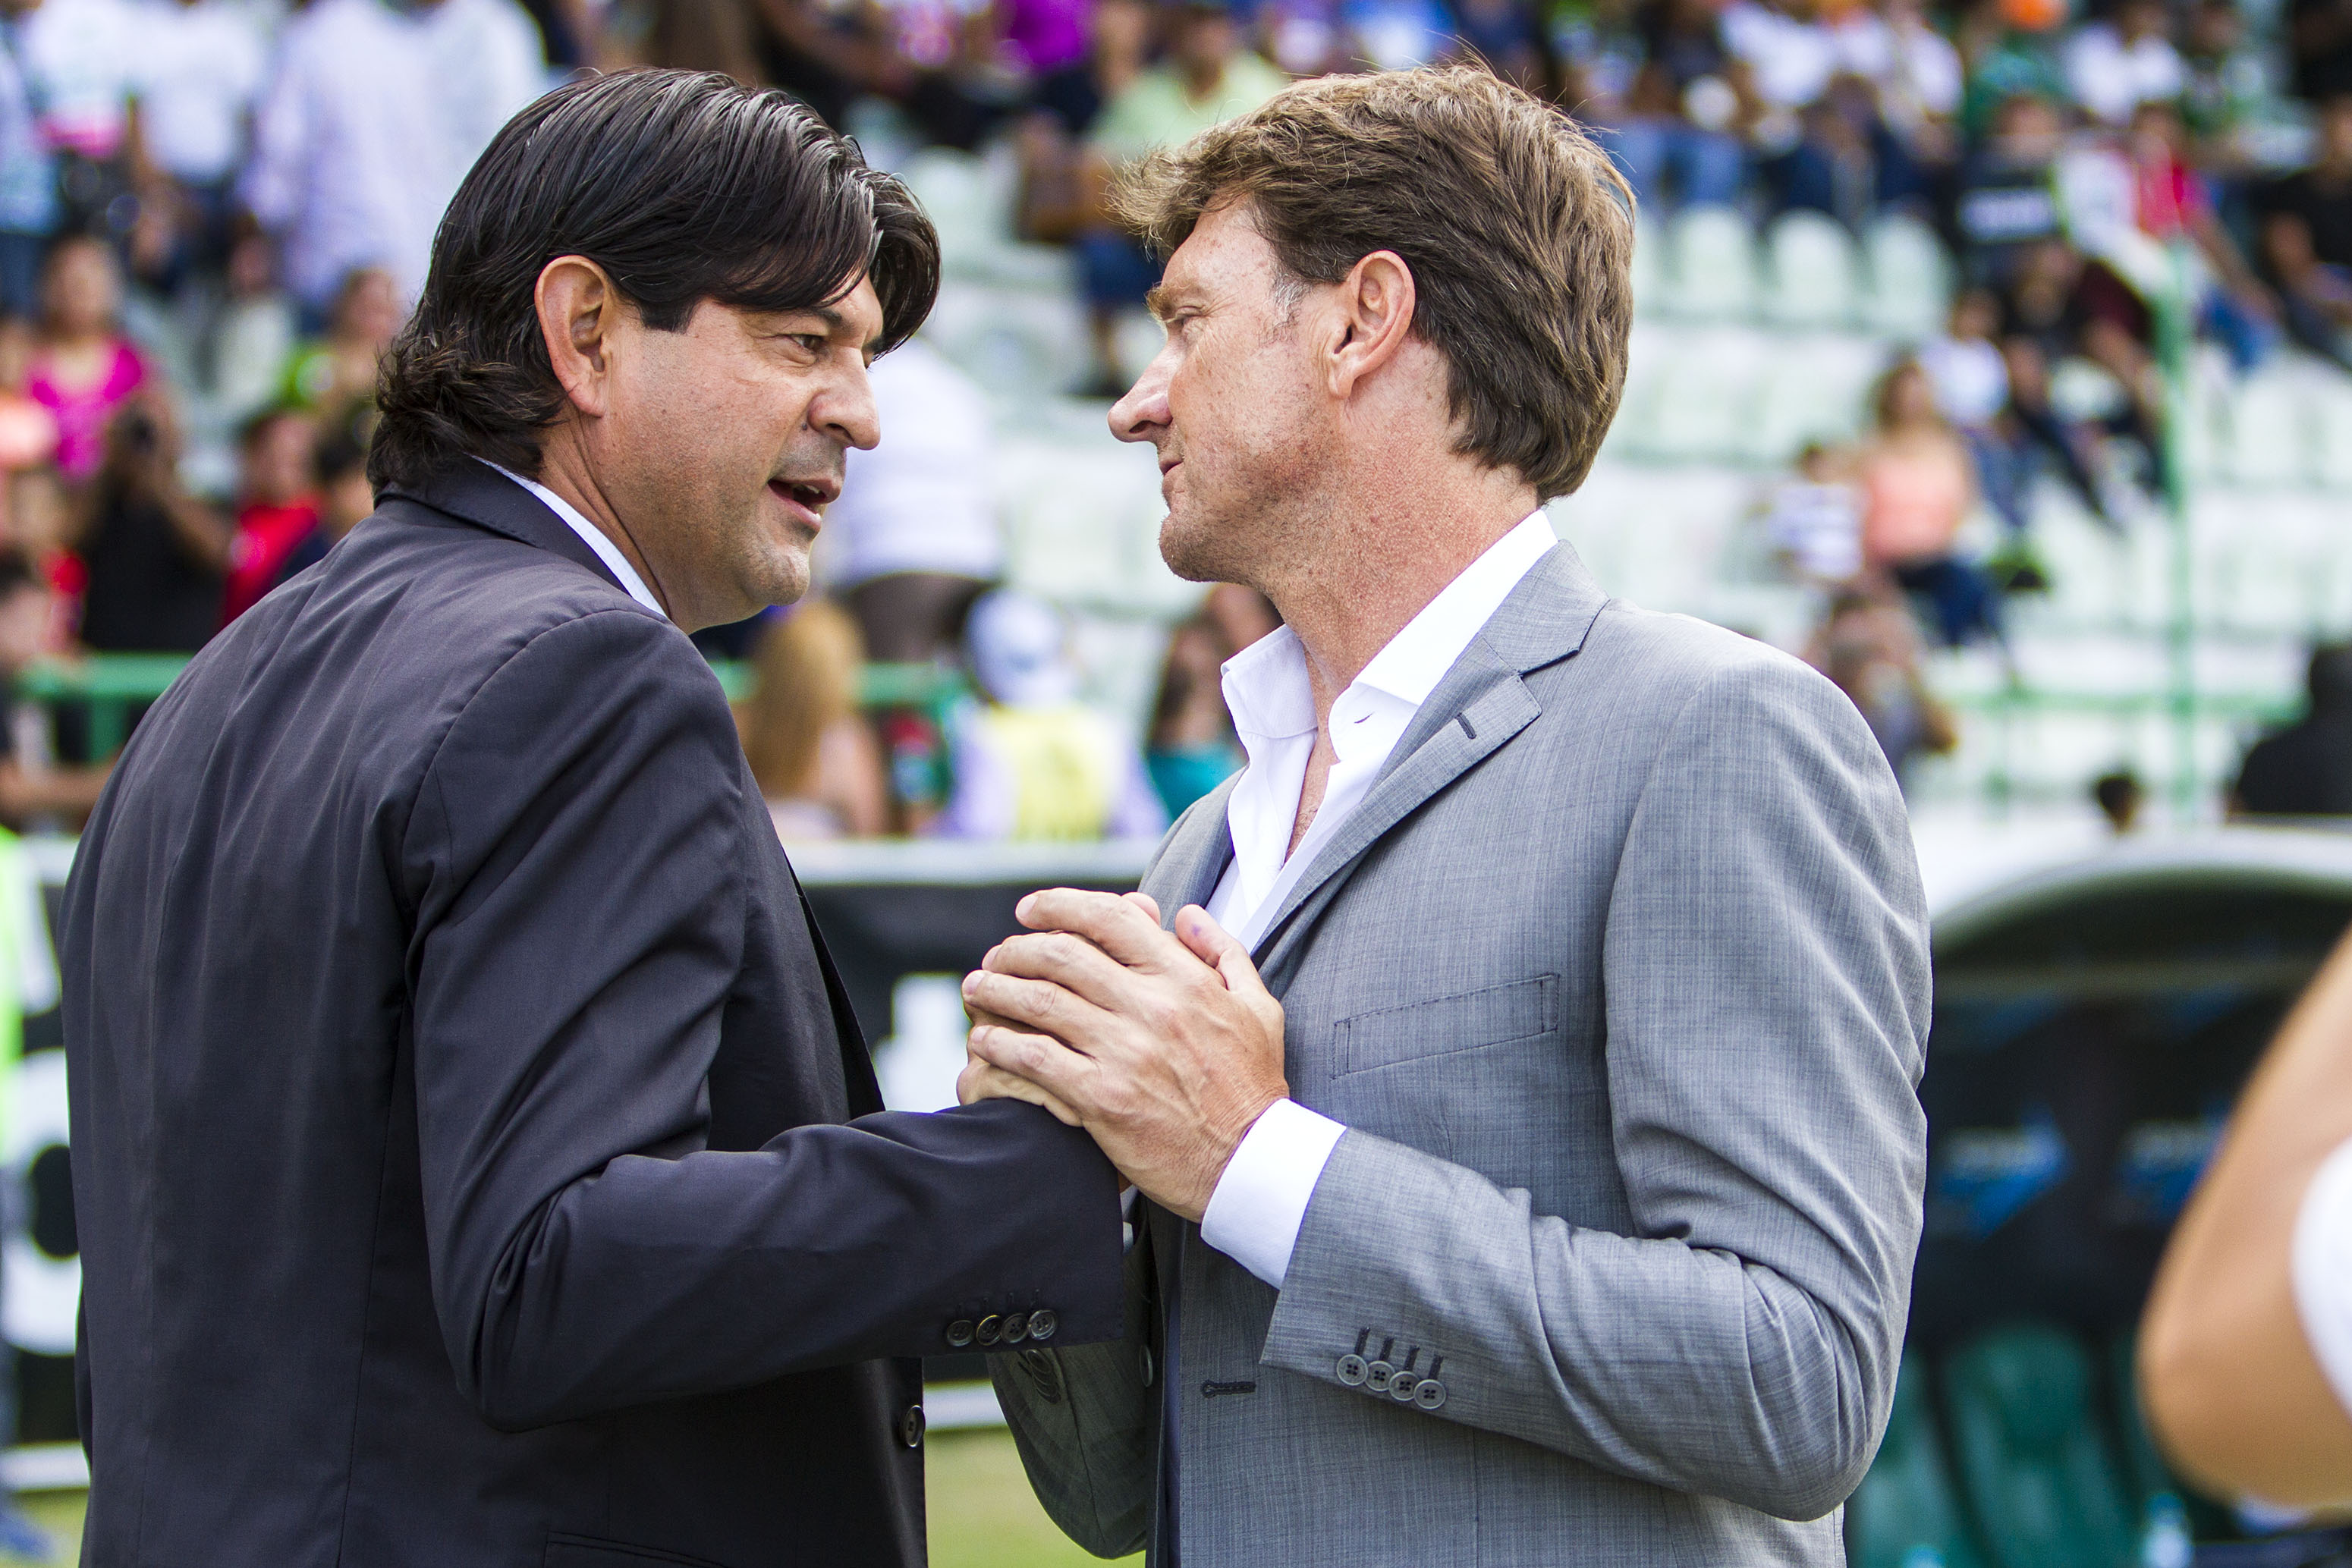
x=476 y=1159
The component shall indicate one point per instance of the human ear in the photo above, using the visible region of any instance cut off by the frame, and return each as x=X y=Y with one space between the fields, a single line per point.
x=1376 y=304
x=579 y=312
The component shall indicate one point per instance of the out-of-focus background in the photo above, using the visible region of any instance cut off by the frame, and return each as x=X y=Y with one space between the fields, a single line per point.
x=1993 y=355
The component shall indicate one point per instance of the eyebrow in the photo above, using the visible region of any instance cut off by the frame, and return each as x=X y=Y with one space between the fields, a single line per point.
x=1159 y=302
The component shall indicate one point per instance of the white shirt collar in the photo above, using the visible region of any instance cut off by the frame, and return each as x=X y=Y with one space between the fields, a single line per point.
x=1266 y=684
x=592 y=536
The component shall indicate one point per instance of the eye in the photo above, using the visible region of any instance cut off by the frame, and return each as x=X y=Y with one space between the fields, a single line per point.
x=812 y=342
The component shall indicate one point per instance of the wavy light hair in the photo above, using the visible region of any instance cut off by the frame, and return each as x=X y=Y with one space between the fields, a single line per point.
x=1516 y=227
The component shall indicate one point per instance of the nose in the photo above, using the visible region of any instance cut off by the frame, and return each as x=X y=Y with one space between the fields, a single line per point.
x=1144 y=409
x=844 y=407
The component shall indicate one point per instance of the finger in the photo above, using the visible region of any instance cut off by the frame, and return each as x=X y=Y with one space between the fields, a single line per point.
x=1221 y=950
x=979 y=1082
x=1110 y=922
x=1043 y=1060
x=1146 y=903
x=1067 y=960
x=1044 y=1006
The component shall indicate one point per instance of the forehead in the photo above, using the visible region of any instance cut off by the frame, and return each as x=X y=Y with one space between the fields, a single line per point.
x=1225 y=254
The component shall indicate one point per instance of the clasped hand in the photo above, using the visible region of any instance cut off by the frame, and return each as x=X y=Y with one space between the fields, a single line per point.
x=1165 y=1047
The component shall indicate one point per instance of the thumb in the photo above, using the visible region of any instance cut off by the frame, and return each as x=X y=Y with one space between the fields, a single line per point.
x=1219 y=949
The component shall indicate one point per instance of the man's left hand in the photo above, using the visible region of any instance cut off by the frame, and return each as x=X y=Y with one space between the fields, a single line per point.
x=1166 y=1047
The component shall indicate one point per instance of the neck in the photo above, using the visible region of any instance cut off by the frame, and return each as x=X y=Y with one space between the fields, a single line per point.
x=1383 y=564
x=565 y=469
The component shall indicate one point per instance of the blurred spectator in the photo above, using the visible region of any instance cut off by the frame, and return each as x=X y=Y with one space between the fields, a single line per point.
x=1917 y=486
x=1240 y=615
x=814 y=757
x=1812 y=521
x=83 y=369
x=912 y=540
x=2173 y=201
x=248 y=338
x=1502 y=33
x=2319 y=40
x=2307 y=239
x=33 y=790
x=28 y=431
x=372 y=116
x=1059 y=197
x=1971 y=385
x=2058 y=304
x=2306 y=769
x=2226 y=91
x=2118 y=797
x=155 y=554
x=334 y=376
x=2008 y=48
x=2117 y=64
x=1866 y=646
x=2008 y=197
x=345 y=499
x=1193 y=747
x=1914 y=71
x=80 y=58
x=1685 y=110
x=1206 y=79
x=277 y=504
x=1305 y=38
x=1396 y=35
x=198 y=71
x=29 y=174
x=1031 y=761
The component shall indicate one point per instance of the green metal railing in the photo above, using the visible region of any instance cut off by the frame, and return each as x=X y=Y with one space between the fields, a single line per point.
x=113 y=686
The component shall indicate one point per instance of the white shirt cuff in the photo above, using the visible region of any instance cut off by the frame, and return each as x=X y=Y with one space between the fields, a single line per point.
x=2321 y=1264
x=1260 y=1202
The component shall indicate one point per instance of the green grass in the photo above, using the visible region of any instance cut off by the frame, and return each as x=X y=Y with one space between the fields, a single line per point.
x=983 y=1513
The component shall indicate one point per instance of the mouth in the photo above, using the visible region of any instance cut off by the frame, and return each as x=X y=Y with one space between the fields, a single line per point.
x=806 y=499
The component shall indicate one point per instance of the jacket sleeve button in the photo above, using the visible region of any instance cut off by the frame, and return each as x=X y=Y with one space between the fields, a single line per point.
x=1402 y=1387
x=1016 y=1327
x=1043 y=1322
x=1429 y=1393
x=989 y=1330
x=959 y=1333
x=1377 y=1375
x=1352 y=1371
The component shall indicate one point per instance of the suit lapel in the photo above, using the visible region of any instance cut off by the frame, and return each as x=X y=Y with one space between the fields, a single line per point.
x=1478 y=706
x=1194 y=855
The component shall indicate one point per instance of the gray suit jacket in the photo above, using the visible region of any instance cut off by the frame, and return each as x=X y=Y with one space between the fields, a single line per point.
x=1619 y=979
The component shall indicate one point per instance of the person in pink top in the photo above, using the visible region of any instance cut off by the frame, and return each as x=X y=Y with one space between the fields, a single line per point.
x=1917 y=486
x=83 y=367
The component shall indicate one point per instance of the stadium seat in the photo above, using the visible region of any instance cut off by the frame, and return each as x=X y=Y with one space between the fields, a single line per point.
x=2267 y=430
x=2332 y=417
x=1714 y=272
x=2037 y=1473
x=1707 y=399
x=1907 y=1504
x=954 y=189
x=1810 y=273
x=1649 y=266
x=1910 y=278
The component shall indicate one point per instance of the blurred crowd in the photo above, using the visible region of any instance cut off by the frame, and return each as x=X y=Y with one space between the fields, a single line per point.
x=213 y=215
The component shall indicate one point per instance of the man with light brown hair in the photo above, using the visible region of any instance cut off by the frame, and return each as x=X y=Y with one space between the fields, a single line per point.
x=1522 y=1097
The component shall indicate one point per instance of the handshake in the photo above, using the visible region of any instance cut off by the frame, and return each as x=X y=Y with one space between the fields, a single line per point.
x=1165 y=1046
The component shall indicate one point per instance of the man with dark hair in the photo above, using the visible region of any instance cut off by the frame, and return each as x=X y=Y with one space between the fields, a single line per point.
x=1524 y=1099
x=2306 y=769
x=476 y=1158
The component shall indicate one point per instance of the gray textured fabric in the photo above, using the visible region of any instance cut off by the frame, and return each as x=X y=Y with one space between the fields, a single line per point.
x=1619 y=979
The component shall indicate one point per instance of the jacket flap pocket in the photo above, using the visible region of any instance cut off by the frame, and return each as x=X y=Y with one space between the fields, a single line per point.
x=1447 y=1024
x=580 y=1551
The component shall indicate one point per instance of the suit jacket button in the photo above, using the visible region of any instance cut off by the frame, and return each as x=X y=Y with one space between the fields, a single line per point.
x=959 y=1333
x=1429 y=1393
x=1352 y=1371
x=1377 y=1375
x=910 y=1426
x=1016 y=1327
x=1143 y=1363
x=989 y=1330
x=1043 y=1322
x=1401 y=1387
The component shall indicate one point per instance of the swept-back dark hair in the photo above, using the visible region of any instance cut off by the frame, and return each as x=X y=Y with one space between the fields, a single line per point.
x=684 y=187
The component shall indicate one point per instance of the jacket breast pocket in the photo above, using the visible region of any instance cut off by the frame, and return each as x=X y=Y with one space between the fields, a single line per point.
x=1444 y=1026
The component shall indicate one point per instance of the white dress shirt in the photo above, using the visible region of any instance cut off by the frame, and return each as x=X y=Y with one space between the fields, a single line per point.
x=592 y=536
x=1260 y=1201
